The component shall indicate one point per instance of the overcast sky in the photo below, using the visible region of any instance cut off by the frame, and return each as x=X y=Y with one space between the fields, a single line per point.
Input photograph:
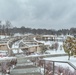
x=49 y=14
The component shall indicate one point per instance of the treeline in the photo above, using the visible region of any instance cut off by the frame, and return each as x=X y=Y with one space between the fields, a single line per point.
x=8 y=29
x=24 y=30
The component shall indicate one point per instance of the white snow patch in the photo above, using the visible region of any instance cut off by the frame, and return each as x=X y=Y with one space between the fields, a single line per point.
x=63 y=58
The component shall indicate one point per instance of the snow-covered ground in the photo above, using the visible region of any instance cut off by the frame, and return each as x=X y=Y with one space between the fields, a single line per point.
x=16 y=45
x=63 y=58
x=58 y=51
x=55 y=52
x=6 y=58
x=3 y=36
x=3 y=53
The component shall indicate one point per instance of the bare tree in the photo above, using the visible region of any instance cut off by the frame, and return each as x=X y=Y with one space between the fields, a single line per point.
x=8 y=26
x=0 y=26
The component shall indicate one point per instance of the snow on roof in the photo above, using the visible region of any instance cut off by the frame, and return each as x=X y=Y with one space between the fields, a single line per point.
x=16 y=51
x=33 y=45
x=69 y=36
x=48 y=35
x=17 y=34
x=3 y=36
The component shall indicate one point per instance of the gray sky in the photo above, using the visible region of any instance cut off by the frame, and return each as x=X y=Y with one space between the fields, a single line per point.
x=49 y=14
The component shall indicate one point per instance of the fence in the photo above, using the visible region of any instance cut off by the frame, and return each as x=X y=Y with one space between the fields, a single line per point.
x=53 y=66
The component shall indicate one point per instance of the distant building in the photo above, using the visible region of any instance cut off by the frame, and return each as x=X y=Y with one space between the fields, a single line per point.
x=46 y=37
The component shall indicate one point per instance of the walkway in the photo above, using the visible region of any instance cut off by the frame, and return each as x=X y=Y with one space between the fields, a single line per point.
x=25 y=67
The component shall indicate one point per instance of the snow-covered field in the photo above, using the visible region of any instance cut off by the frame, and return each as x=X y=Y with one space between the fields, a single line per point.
x=58 y=51
x=16 y=45
x=3 y=36
x=63 y=58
